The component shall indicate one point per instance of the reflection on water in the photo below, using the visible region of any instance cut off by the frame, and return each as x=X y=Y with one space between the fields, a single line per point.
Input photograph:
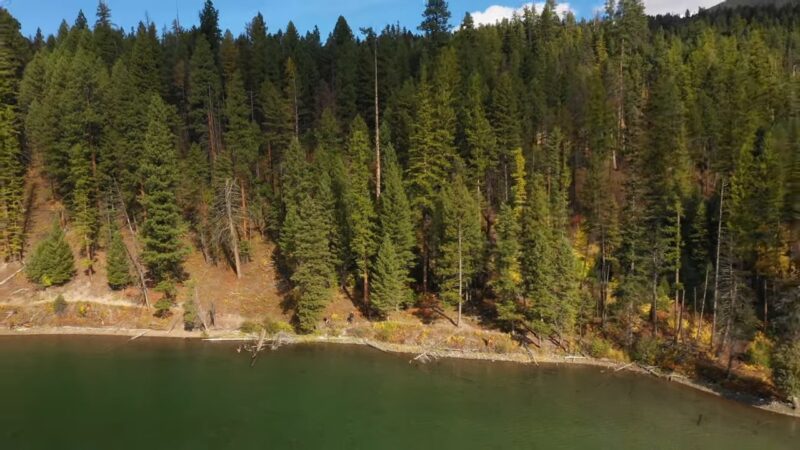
x=82 y=393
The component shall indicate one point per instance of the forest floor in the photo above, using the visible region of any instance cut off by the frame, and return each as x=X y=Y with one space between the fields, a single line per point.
x=259 y=298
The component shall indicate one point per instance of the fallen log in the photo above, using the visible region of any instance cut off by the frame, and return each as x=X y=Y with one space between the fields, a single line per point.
x=8 y=278
x=623 y=367
x=375 y=346
x=138 y=335
x=258 y=347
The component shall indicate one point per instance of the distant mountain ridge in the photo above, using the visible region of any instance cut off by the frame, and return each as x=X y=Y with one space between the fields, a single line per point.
x=738 y=3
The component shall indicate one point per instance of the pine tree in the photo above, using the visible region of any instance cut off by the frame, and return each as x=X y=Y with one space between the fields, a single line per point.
x=13 y=48
x=295 y=183
x=394 y=210
x=118 y=269
x=389 y=279
x=204 y=93
x=277 y=122
x=506 y=125
x=121 y=150
x=107 y=40
x=241 y=134
x=51 y=263
x=11 y=188
x=436 y=21
x=209 y=25
x=757 y=192
x=82 y=203
x=539 y=274
x=479 y=138
x=430 y=157
x=343 y=53
x=161 y=231
x=507 y=279
x=460 y=240
x=229 y=58
x=145 y=63
x=313 y=275
x=359 y=204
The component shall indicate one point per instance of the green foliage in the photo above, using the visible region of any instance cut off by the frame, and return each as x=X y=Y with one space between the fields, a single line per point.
x=163 y=307
x=162 y=228
x=786 y=368
x=647 y=350
x=436 y=21
x=389 y=289
x=11 y=187
x=84 y=212
x=599 y=347
x=313 y=274
x=508 y=278
x=52 y=262
x=358 y=200
x=760 y=351
x=118 y=268
x=460 y=241
x=168 y=288
x=191 y=316
x=205 y=88
x=248 y=327
x=273 y=327
x=59 y=305
x=479 y=137
x=83 y=309
x=241 y=136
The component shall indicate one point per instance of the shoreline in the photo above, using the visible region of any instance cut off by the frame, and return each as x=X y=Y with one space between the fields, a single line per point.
x=773 y=406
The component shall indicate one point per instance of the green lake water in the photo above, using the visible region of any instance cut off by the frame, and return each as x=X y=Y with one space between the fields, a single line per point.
x=108 y=393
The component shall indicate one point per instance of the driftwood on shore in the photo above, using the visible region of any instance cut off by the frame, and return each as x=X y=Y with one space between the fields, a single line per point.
x=133 y=338
x=623 y=367
x=259 y=344
x=433 y=352
x=258 y=347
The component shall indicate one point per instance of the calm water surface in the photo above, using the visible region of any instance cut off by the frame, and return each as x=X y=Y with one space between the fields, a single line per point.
x=107 y=393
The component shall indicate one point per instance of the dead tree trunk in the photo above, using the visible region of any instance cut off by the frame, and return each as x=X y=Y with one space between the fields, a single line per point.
x=678 y=311
x=132 y=256
x=245 y=216
x=366 y=292
x=716 y=266
x=654 y=305
x=679 y=333
x=703 y=307
x=460 y=275
x=620 y=108
x=230 y=186
x=377 y=130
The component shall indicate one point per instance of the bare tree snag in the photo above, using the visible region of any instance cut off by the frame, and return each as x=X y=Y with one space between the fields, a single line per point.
x=230 y=186
x=716 y=266
x=377 y=128
x=460 y=275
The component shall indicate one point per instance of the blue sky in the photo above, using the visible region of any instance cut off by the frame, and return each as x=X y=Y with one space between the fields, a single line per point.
x=234 y=14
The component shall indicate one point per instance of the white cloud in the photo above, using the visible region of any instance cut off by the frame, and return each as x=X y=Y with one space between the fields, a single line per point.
x=655 y=7
x=496 y=13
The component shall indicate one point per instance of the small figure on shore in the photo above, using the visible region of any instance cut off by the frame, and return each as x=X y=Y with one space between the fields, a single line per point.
x=351 y=318
x=327 y=321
